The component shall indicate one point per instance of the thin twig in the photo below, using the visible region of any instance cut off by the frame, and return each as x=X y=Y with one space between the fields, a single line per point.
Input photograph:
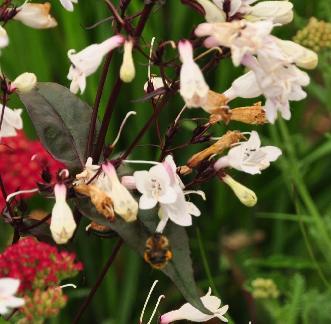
x=98 y=282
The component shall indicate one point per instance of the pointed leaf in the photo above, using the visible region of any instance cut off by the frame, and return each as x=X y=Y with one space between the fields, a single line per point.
x=61 y=121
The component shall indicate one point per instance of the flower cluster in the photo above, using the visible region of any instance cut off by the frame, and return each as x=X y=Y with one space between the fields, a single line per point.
x=37 y=264
x=23 y=162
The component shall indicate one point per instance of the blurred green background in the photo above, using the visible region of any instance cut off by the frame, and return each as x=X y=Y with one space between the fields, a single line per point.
x=286 y=237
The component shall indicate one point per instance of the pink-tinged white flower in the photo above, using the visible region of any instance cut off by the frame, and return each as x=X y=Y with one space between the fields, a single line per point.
x=193 y=87
x=212 y=12
x=4 y=39
x=190 y=313
x=249 y=156
x=24 y=83
x=240 y=36
x=245 y=86
x=8 y=288
x=63 y=223
x=11 y=122
x=155 y=186
x=36 y=15
x=280 y=82
x=87 y=61
x=68 y=4
x=124 y=203
x=246 y=196
x=240 y=7
x=127 y=70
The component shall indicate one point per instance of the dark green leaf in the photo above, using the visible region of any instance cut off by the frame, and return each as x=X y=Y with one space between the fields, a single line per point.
x=179 y=269
x=61 y=121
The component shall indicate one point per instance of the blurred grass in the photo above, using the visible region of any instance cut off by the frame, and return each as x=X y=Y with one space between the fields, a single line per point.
x=295 y=189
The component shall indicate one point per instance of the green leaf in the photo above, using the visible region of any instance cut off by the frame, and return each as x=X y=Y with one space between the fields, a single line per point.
x=135 y=234
x=61 y=121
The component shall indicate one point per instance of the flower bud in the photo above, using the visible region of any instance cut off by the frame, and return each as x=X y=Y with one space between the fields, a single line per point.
x=212 y=13
x=24 y=82
x=280 y=12
x=127 y=71
x=124 y=203
x=63 y=223
x=303 y=57
x=244 y=194
x=4 y=39
x=36 y=15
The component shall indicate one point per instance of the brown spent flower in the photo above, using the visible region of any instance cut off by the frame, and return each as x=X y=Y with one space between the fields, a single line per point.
x=215 y=102
x=102 y=202
x=253 y=115
x=231 y=137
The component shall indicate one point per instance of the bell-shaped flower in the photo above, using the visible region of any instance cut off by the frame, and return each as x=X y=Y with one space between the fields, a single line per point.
x=87 y=61
x=4 y=39
x=124 y=203
x=244 y=194
x=12 y=121
x=68 y=4
x=241 y=37
x=280 y=83
x=249 y=156
x=127 y=70
x=279 y=12
x=155 y=186
x=63 y=223
x=190 y=313
x=212 y=12
x=8 y=288
x=193 y=87
x=36 y=15
x=24 y=82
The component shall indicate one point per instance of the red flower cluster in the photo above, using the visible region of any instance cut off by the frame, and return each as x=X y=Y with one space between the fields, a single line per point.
x=37 y=264
x=17 y=170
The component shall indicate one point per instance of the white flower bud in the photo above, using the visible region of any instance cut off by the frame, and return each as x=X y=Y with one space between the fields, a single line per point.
x=127 y=71
x=63 y=223
x=280 y=12
x=302 y=57
x=36 y=15
x=213 y=13
x=24 y=82
x=124 y=203
x=4 y=39
x=244 y=194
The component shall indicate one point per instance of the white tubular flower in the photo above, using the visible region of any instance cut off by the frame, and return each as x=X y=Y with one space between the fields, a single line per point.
x=245 y=86
x=124 y=203
x=68 y=4
x=12 y=121
x=190 y=313
x=63 y=223
x=155 y=186
x=87 y=61
x=213 y=13
x=241 y=37
x=301 y=56
x=244 y=194
x=127 y=70
x=249 y=156
x=24 y=82
x=279 y=12
x=280 y=83
x=193 y=87
x=36 y=15
x=8 y=288
x=4 y=39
